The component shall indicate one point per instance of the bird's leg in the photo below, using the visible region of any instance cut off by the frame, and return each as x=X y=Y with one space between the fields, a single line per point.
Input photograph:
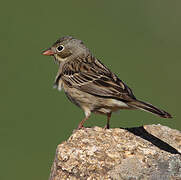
x=108 y=119
x=87 y=115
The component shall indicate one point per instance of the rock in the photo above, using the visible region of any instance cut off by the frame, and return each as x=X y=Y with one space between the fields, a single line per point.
x=151 y=152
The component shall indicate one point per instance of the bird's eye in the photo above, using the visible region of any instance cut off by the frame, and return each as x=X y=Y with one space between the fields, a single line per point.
x=60 y=48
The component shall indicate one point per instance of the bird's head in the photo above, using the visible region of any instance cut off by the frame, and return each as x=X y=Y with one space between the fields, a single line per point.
x=66 y=48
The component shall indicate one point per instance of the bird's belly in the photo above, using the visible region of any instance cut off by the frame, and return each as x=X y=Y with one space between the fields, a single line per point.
x=94 y=103
x=80 y=98
x=112 y=105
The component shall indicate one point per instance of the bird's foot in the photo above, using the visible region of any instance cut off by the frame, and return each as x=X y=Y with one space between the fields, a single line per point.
x=80 y=126
x=106 y=126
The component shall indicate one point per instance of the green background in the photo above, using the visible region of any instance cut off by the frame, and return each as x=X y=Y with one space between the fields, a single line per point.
x=138 y=40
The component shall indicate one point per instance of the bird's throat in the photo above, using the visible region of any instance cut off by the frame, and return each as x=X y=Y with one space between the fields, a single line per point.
x=58 y=60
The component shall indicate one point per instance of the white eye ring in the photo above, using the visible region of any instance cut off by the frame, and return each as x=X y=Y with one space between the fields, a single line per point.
x=60 y=48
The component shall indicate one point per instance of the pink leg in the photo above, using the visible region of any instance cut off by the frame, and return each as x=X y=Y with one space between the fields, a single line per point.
x=87 y=115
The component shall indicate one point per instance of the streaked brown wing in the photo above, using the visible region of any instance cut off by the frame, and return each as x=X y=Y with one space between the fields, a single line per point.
x=91 y=76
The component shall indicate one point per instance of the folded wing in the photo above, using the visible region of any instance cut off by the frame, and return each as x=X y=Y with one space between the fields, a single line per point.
x=91 y=76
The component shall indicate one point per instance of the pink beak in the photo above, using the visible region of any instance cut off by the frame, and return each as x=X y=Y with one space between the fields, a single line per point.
x=48 y=52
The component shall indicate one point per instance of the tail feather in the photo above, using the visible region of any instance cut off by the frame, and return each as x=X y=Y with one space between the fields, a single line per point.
x=149 y=108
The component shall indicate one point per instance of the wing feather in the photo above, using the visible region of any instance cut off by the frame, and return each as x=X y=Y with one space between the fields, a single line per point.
x=91 y=76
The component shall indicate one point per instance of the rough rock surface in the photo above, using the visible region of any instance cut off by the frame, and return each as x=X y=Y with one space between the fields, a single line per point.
x=151 y=152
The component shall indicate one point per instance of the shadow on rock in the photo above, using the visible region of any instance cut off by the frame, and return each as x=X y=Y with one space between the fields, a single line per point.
x=141 y=132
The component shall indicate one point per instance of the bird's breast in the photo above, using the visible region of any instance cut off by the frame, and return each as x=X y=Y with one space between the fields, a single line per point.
x=58 y=85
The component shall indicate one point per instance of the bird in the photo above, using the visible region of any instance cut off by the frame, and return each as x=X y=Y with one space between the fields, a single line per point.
x=90 y=85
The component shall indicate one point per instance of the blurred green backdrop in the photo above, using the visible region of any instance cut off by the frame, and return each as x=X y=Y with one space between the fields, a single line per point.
x=138 y=40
